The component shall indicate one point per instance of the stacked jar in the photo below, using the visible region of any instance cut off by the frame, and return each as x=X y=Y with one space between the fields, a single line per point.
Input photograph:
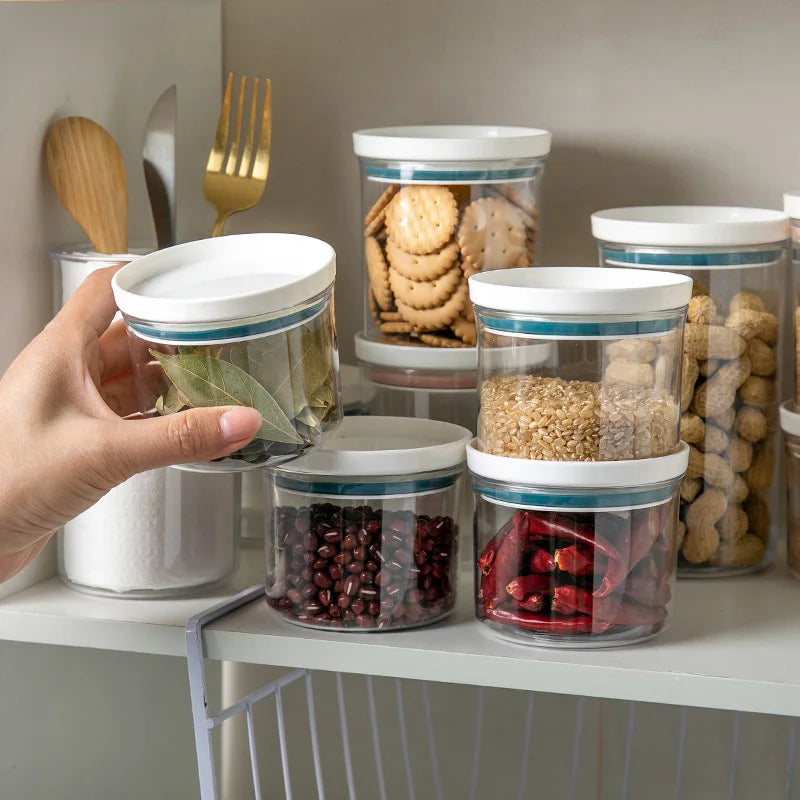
x=364 y=534
x=577 y=366
x=738 y=259
x=791 y=205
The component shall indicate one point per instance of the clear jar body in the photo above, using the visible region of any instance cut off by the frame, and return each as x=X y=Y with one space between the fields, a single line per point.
x=792 y=444
x=575 y=577
x=795 y=223
x=284 y=365
x=443 y=396
x=364 y=562
x=578 y=389
x=729 y=400
x=164 y=533
x=428 y=227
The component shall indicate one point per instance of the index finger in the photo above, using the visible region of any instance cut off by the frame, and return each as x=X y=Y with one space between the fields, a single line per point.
x=92 y=303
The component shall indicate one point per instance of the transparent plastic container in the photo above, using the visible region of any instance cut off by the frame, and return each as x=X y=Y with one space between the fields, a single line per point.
x=738 y=260
x=416 y=381
x=579 y=363
x=791 y=205
x=575 y=554
x=790 y=423
x=164 y=533
x=238 y=320
x=440 y=203
x=364 y=535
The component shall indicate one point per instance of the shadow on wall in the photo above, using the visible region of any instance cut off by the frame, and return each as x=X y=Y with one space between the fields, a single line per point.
x=582 y=178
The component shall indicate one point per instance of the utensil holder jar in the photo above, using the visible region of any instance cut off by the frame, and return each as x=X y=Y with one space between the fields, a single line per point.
x=579 y=364
x=575 y=555
x=364 y=533
x=239 y=320
x=738 y=260
x=440 y=203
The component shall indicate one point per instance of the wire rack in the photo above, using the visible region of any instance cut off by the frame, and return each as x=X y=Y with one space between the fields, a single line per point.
x=367 y=737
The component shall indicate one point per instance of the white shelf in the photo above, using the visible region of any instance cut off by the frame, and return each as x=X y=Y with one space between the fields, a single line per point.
x=734 y=643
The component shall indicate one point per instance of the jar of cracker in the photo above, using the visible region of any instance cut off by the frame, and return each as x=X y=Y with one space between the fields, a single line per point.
x=738 y=260
x=579 y=363
x=441 y=203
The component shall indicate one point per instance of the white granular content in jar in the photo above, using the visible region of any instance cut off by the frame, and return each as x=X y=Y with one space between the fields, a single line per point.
x=164 y=530
x=550 y=419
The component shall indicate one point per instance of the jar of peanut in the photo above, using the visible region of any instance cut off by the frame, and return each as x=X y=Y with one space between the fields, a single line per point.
x=738 y=259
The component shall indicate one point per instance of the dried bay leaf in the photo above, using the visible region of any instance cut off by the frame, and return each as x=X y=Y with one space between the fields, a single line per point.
x=206 y=381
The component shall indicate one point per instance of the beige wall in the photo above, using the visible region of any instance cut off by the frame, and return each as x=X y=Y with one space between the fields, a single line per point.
x=649 y=101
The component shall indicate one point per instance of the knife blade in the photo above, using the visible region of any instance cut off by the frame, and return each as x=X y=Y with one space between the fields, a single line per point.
x=158 y=156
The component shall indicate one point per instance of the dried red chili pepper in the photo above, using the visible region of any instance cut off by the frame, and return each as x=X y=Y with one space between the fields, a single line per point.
x=629 y=614
x=648 y=527
x=572 y=599
x=542 y=561
x=486 y=558
x=509 y=557
x=533 y=602
x=524 y=585
x=541 y=623
x=574 y=560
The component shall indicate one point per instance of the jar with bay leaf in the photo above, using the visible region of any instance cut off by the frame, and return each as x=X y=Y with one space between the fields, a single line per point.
x=240 y=320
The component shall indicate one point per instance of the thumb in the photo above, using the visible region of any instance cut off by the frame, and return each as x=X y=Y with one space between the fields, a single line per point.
x=199 y=434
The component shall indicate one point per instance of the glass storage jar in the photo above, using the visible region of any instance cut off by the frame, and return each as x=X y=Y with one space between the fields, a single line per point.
x=364 y=534
x=791 y=205
x=237 y=320
x=579 y=363
x=415 y=381
x=738 y=259
x=790 y=423
x=575 y=554
x=163 y=533
x=440 y=203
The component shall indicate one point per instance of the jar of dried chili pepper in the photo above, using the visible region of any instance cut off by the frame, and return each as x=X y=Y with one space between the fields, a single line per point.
x=364 y=529
x=575 y=554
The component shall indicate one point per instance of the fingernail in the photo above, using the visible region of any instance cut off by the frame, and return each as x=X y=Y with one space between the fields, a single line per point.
x=238 y=424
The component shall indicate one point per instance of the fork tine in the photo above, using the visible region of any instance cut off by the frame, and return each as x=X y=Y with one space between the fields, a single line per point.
x=261 y=165
x=247 y=154
x=217 y=155
x=233 y=156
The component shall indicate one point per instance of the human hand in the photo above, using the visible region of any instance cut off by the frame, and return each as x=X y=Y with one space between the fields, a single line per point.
x=65 y=442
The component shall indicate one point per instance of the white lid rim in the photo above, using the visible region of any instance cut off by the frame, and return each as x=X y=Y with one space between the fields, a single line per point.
x=583 y=475
x=399 y=356
x=688 y=226
x=578 y=291
x=315 y=280
x=452 y=142
x=791 y=203
x=790 y=419
x=447 y=450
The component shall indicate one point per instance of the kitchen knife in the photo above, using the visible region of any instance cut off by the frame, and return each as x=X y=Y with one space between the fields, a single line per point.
x=158 y=154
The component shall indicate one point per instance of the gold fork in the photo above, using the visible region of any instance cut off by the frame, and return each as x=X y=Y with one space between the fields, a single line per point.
x=227 y=188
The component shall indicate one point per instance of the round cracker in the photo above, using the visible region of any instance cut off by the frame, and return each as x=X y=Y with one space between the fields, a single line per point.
x=425 y=294
x=419 y=267
x=374 y=308
x=465 y=330
x=421 y=219
x=378 y=272
x=390 y=316
x=380 y=204
x=376 y=225
x=492 y=235
x=438 y=340
x=396 y=327
x=435 y=319
x=519 y=199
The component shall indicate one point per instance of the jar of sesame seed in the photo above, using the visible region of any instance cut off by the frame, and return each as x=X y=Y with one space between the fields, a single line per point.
x=610 y=387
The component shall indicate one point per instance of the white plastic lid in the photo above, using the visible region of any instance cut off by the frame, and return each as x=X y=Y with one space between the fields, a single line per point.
x=380 y=446
x=452 y=142
x=227 y=278
x=577 y=291
x=409 y=356
x=688 y=226
x=790 y=419
x=578 y=474
x=791 y=204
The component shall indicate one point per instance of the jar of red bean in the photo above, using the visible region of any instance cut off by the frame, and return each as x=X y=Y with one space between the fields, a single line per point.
x=575 y=554
x=363 y=534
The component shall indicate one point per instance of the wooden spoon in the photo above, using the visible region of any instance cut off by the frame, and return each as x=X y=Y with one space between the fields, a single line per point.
x=88 y=174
